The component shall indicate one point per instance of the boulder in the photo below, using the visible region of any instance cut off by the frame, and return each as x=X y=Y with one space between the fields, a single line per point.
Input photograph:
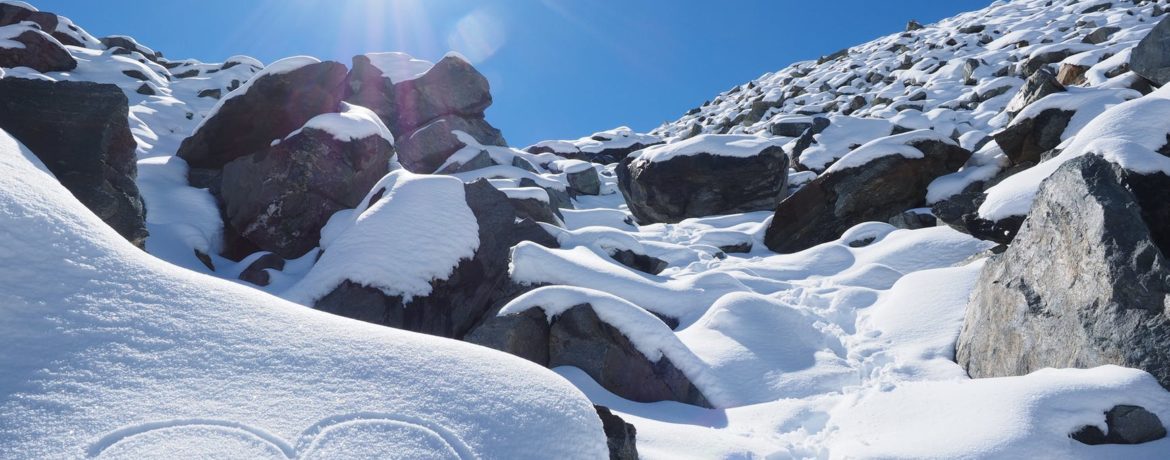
x=1026 y=140
x=1071 y=74
x=878 y=190
x=578 y=338
x=913 y=220
x=40 y=52
x=451 y=87
x=460 y=301
x=961 y=212
x=11 y=13
x=1125 y=424
x=1085 y=282
x=129 y=44
x=280 y=197
x=1041 y=83
x=583 y=179
x=620 y=436
x=1100 y=35
x=80 y=132
x=428 y=147
x=1151 y=57
x=273 y=106
x=257 y=272
x=662 y=186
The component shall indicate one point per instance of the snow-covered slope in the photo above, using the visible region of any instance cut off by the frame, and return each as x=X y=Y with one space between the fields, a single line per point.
x=112 y=353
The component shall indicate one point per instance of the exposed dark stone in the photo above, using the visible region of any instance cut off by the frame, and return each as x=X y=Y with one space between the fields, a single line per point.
x=537 y=210
x=460 y=302
x=702 y=185
x=913 y=25
x=1126 y=425
x=39 y=53
x=204 y=259
x=1100 y=35
x=80 y=131
x=1043 y=60
x=214 y=93
x=256 y=272
x=620 y=437
x=427 y=148
x=584 y=181
x=877 y=191
x=961 y=212
x=1151 y=57
x=1040 y=84
x=146 y=90
x=523 y=334
x=274 y=106
x=1085 y=282
x=913 y=220
x=737 y=248
x=280 y=197
x=129 y=44
x=1097 y=8
x=48 y=22
x=640 y=262
x=481 y=160
x=1025 y=140
x=972 y=29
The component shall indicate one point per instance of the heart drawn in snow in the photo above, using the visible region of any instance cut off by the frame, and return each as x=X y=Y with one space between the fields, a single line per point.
x=360 y=435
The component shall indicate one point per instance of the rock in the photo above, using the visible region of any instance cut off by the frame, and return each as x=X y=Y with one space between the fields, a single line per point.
x=1040 y=84
x=913 y=220
x=214 y=93
x=79 y=130
x=1100 y=35
x=961 y=212
x=620 y=437
x=146 y=90
x=1151 y=57
x=1097 y=8
x=877 y=191
x=257 y=273
x=524 y=334
x=427 y=148
x=1126 y=425
x=1025 y=140
x=913 y=25
x=280 y=197
x=703 y=184
x=537 y=211
x=40 y=52
x=274 y=106
x=462 y=300
x=583 y=180
x=640 y=262
x=972 y=29
x=1085 y=282
x=129 y=44
x=482 y=159
x=1071 y=74
x=11 y=13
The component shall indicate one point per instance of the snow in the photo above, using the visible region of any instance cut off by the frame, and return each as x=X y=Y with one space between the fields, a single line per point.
x=399 y=67
x=722 y=145
x=378 y=245
x=10 y=32
x=352 y=123
x=888 y=146
x=121 y=354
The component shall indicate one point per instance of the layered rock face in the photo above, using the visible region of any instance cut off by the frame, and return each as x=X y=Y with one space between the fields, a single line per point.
x=80 y=131
x=1084 y=283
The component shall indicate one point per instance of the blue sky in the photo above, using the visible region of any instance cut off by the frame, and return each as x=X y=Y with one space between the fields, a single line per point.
x=558 y=68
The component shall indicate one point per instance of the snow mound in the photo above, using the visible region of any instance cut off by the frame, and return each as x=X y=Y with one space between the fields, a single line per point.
x=122 y=354
x=353 y=123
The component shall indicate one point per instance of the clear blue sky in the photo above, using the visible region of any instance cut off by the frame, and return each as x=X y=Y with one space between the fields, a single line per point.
x=559 y=69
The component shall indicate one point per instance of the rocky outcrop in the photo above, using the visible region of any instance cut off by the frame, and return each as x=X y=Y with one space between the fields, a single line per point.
x=702 y=184
x=80 y=132
x=876 y=191
x=12 y=13
x=620 y=437
x=39 y=52
x=461 y=300
x=271 y=108
x=578 y=338
x=1084 y=283
x=279 y=198
x=422 y=111
x=1151 y=57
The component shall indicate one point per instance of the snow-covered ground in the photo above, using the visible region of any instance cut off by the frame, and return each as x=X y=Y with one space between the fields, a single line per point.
x=843 y=350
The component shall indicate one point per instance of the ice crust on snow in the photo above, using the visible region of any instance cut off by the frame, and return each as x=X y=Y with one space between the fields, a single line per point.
x=121 y=354
x=380 y=245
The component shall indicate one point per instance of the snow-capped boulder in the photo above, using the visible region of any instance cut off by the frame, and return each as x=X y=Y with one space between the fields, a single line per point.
x=705 y=175
x=24 y=45
x=279 y=197
x=1027 y=138
x=621 y=346
x=80 y=131
x=874 y=182
x=426 y=148
x=961 y=212
x=1085 y=282
x=602 y=147
x=424 y=253
x=1151 y=57
x=130 y=45
x=620 y=436
x=582 y=178
x=276 y=101
x=451 y=87
x=1039 y=84
x=60 y=28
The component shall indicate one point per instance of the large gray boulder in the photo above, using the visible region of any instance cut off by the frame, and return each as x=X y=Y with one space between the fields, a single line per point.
x=79 y=130
x=1151 y=57
x=271 y=108
x=1039 y=84
x=1085 y=282
x=876 y=191
x=703 y=183
x=12 y=13
x=578 y=338
x=1027 y=139
x=39 y=52
x=460 y=301
x=279 y=198
x=428 y=147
